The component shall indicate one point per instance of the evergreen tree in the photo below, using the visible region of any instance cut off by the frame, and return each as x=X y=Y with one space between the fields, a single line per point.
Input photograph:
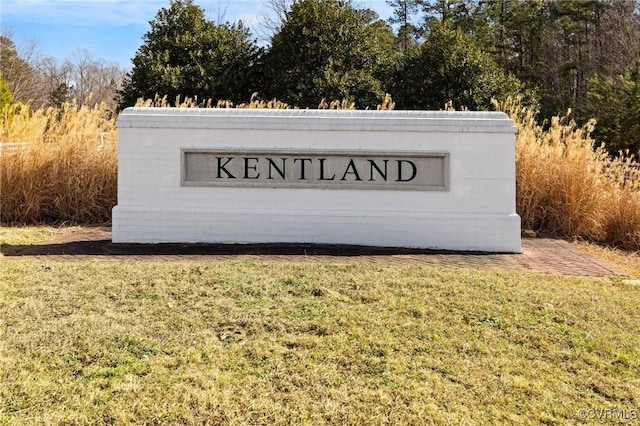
x=328 y=49
x=450 y=66
x=403 y=11
x=60 y=95
x=615 y=104
x=186 y=55
x=6 y=98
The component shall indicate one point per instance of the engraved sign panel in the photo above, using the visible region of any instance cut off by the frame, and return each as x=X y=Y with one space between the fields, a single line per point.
x=314 y=169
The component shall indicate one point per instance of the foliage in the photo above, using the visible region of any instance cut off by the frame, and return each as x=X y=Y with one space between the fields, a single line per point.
x=6 y=97
x=185 y=54
x=559 y=49
x=60 y=95
x=450 y=66
x=328 y=49
x=553 y=46
x=402 y=12
x=464 y=15
x=18 y=73
x=615 y=103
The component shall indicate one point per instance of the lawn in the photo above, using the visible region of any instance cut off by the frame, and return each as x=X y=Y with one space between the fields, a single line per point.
x=294 y=342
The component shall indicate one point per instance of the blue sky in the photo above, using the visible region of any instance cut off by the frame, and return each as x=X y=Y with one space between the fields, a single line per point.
x=112 y=29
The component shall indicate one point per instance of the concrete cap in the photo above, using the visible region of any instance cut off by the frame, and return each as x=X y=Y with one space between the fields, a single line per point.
x=312 y=119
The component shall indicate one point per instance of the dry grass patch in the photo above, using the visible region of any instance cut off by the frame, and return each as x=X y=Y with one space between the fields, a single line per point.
x=14 y=238
x=568 y=186
x=306 y=343
x=627 y=260
x=58 y=164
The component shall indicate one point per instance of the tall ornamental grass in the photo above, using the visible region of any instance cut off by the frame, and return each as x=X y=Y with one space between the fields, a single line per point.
x=568 y=186
x=58 y=164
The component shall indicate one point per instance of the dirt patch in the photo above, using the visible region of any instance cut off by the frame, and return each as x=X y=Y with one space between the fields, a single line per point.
x=82 y=233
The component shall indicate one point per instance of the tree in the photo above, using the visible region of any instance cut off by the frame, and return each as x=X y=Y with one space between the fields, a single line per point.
x=615 y=103
x=60 y=95
x=403 y=10
x=557 y=46
x=6 y=98
x=271 y=23
x=328 y=49
x=186 y=55
x=465 y=15
x=43 y=81
x=450 y=66
x=91 y=81
x=19 y=71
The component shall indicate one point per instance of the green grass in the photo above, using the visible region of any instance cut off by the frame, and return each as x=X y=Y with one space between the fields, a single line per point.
x=239 y=342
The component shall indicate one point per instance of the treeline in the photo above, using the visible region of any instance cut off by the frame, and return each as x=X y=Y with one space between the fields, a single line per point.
x=582 y=55
x=558 y=55
x=319 y=49
x=27 y=75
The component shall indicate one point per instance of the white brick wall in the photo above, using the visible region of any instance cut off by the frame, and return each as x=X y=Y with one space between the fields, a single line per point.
x=476 y=213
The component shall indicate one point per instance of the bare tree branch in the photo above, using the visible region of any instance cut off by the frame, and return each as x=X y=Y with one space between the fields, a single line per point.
x=274 y=20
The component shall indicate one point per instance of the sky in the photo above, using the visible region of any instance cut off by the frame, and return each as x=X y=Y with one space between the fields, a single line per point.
x=112 y=30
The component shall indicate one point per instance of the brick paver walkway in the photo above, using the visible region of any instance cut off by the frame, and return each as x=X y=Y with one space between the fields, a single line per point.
x=539 y=254
x=561 y=257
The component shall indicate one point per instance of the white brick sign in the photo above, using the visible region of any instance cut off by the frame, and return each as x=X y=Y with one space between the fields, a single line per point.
x=423 y=179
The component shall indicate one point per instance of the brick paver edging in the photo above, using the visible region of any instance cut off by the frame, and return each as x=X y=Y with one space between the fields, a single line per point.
x=545 y=255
